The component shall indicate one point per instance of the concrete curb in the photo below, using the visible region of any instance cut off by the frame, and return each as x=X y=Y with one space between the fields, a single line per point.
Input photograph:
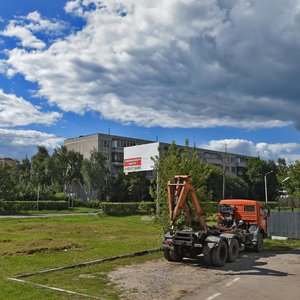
x=89 y=263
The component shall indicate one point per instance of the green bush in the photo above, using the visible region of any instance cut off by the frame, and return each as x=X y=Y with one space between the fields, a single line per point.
x=16 y=206
x=89 y=203
x=60 y=196
x=79 y=203
x=210 y=207
x=271 y=205
x=93 y=204
x=147 y=208
x=127 y=208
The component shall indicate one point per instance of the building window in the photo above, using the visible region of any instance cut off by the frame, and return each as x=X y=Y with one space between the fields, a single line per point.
x=105 y=144
x=118 y=157
x=212 y=156
x=106 y=155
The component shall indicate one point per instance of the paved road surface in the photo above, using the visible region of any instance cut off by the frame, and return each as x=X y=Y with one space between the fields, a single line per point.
x=273 y=276
x=269 y=275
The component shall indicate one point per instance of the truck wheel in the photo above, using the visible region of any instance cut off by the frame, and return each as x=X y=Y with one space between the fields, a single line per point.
x=219 y=254
x=260 y=243
x=167 y=254
x=233 y=250
x=176 y=255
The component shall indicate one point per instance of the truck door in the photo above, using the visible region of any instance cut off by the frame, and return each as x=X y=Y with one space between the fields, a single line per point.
x=263 y=219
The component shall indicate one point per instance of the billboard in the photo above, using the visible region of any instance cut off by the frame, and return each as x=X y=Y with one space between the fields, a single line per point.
x=138 y=158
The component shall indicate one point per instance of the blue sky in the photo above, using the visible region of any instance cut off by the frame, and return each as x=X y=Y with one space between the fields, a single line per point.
x=215 y=72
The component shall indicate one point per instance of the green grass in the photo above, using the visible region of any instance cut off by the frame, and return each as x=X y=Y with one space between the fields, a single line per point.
x=274 y=245
x=296 y=209
x=67 y=211
x=28 y=245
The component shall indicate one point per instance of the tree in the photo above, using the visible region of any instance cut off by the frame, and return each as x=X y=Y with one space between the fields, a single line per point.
x=65 y=167
x=254 y=176
x=236 y=188
x=292 y=185
x=40 y=167
x=214 y=183
x=94 y=173
x=137 y=186
x=116 y=188
x=25 y=171
x=7 y=184
x=181 y=162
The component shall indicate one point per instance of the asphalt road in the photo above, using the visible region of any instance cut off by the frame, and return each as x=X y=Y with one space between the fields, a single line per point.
x=270 y=276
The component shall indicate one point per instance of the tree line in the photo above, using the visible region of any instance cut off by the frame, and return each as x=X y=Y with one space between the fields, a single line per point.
x=50 y=175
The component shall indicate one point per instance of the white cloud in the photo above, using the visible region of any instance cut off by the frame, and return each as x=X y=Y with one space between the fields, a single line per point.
x=183 y=63
x=15 y=111
x=25 y=35
x=263 y=150
x=18 y=143
x=24 y=28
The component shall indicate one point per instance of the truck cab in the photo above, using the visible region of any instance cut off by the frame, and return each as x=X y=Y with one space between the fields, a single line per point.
x=251 y=213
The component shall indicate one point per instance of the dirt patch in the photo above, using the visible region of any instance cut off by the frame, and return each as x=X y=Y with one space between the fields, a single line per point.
x=38 y=246
x=160 y=279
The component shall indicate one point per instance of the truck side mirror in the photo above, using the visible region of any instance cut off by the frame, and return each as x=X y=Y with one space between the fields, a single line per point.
x=268 y=213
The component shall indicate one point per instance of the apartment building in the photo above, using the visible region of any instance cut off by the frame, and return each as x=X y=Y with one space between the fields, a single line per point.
x=7 y=160
x=112 y=147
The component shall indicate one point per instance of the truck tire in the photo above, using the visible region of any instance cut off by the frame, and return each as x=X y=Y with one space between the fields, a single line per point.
x=167 y=254
x=176 y=255
x=259 y=243
x=208 y=258
x=220 y=254
x=233 y=250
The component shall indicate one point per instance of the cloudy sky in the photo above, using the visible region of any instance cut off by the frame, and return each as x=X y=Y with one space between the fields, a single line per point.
x=218 y=72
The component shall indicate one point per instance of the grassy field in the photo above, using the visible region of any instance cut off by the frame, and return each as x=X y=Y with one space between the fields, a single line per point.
x=73 y=210
x=28 y=245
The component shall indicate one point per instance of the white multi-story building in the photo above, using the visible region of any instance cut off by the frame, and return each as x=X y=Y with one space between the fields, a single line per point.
x=112 y=147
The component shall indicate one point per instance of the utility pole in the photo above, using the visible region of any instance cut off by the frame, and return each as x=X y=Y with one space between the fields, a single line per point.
x=266 y=185
x=224 y=175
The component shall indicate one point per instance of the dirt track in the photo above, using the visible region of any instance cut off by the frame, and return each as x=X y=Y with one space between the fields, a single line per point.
x=266 y=272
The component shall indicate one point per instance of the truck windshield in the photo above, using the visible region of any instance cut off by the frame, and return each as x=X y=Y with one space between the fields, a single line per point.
x=249 y=208
x=225 y=209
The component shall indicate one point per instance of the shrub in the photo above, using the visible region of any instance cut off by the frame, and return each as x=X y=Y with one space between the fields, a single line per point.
x=146 y=208
x=210 y=207
x=126 y=208
x=93 y=204
x=16 y=206
x=60 y=196
x=271 y=205
x=79 y=203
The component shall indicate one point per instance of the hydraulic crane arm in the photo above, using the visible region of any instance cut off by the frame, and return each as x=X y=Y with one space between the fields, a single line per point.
x=177 y=197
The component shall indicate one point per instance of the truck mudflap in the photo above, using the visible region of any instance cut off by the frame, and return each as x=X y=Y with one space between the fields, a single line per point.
x=213 y=241
x=229 y=237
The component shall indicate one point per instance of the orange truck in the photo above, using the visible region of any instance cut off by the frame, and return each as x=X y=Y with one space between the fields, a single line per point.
x=241 y=223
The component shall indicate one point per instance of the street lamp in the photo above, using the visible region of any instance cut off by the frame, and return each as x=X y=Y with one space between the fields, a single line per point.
x=285 y=179
x=266 y=187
